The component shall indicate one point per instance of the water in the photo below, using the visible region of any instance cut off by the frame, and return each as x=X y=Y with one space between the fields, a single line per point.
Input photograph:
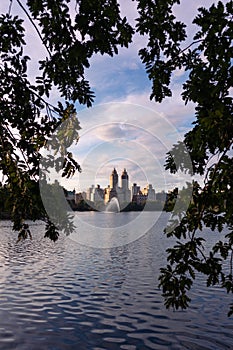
x=113 y=206
x=71 y=296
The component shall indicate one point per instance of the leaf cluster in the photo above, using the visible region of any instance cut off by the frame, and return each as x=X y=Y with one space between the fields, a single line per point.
x=165 y=35
x=28 y=121
x=208 y=65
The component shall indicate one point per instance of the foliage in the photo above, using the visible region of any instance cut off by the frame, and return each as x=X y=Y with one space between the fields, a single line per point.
x=28 y=120
x=208 y=62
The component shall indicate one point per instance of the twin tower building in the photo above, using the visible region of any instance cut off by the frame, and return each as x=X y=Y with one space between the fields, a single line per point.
x=123 y=194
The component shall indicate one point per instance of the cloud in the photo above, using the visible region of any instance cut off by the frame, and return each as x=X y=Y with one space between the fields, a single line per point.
x=124 y=135
x=124 y=128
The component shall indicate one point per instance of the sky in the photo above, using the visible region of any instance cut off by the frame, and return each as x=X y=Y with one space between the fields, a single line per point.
x=124 y=129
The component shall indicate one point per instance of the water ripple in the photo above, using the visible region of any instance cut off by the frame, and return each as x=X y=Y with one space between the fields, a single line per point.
x=65 y=296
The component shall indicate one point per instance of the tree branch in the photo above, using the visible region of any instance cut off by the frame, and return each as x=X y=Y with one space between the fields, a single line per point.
x=10 y=6
x=231 y=263
x=193 y=43
x=219 y=161
x=21 y=150
x=30 y=19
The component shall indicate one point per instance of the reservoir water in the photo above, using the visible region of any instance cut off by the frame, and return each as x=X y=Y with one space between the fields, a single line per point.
x=70 y=295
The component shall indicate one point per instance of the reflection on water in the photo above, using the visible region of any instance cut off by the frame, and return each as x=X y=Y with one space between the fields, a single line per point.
x=108 y=229
x=69 y=296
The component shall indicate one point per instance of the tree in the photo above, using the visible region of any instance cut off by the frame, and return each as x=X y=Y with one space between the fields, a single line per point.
x=28 y=120
x=99 y=28
x=208 y=62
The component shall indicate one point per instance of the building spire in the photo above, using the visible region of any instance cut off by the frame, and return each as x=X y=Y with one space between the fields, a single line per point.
x=114 y=179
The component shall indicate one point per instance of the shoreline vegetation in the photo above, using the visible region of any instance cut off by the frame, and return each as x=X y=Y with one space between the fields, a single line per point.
x=85 y=205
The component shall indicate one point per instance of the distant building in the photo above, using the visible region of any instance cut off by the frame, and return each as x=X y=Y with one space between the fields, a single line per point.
x=118 y=187
x=149 y=191
x=114 y=190
x=137 y=196
x=111 y=190
x=95 y=194
x=90 y=193
x=98 y=194
x=124 y=195
x=141 y=196
x=135 y=190
x=114 y=179
x=70 y=195
x=84 y=195
x=107 y=194
x=80 y=197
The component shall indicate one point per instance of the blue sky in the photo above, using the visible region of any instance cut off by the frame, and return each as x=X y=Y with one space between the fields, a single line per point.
x=124 y=128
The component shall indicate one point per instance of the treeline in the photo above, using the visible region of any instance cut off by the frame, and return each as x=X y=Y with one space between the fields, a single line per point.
x=6 y=204
x=85 y=205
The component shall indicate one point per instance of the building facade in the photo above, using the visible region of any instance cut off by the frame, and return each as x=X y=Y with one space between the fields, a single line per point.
x=95 y=194
x=142 y=196
x=119 y=188
x=149 y=191
x=122 y=193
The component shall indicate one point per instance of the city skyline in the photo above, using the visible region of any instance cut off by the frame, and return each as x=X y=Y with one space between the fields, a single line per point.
x=119 y=183
x=118 y=187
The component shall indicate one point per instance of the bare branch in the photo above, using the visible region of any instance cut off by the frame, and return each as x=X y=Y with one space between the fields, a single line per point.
x=31 y=20
x=10 y=7
x=193 y=43
x=231 y=263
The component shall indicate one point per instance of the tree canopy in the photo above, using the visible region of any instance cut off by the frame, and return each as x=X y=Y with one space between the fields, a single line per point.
x=28 y=119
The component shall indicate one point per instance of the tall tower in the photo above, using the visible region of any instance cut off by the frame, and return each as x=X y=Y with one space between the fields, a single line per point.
x=124 y=181
x=126 y=194
x=114 y=179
